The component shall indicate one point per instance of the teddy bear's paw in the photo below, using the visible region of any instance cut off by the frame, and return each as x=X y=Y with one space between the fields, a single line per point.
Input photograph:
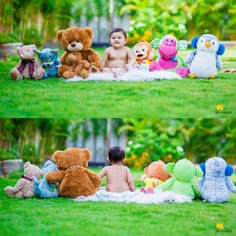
x=68 y=74
x=84 y=74
x=9 y=191
x=16 y=76
x=93 y=69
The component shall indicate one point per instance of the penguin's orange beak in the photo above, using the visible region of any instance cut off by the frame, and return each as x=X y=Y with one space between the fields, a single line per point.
x=207 y=44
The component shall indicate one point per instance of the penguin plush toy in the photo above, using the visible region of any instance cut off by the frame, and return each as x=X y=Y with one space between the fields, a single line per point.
x=205 y=61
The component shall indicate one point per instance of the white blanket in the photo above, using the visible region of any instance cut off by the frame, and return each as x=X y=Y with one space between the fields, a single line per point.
x=158 y=197
x=132 y=75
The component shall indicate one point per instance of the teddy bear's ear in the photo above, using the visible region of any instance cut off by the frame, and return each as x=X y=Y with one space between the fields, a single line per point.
x=59 y=34
x=33 y=46
x=56 y=155
x=87 y=153
x=89 y=31
x=18 y=49
x=229 y=170
x=26 y=164
x=170 y=167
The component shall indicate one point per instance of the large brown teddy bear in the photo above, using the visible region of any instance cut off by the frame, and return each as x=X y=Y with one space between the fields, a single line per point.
x=73 y=176
x=78 y=58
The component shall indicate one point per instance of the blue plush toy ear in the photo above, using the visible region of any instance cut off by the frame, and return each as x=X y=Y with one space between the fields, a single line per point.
x=221 y=49
x=194 y=42
x=229 y=170
x=203 y=167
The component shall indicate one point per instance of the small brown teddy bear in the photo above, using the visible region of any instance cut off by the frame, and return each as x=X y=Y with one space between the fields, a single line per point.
x=73 y=176
x=157 y=169
x=24 y=188
x=28 y=67
x=77 y=42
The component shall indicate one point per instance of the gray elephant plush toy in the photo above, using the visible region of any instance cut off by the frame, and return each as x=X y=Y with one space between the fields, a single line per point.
x=215 y=185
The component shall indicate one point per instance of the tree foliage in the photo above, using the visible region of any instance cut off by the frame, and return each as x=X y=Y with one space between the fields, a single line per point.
x=148 y=139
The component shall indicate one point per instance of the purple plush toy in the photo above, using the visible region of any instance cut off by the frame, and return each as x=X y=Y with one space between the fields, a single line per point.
x=168 y=60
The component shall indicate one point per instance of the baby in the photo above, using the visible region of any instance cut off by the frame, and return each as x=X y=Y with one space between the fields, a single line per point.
x=118 y=58
x=118 y=176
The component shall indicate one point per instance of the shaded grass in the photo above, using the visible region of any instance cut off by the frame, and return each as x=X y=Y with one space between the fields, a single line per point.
x=65 y=217
x=56 y=98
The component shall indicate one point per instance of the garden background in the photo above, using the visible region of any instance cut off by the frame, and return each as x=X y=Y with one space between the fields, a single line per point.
x=145 y=140
x=143 y=19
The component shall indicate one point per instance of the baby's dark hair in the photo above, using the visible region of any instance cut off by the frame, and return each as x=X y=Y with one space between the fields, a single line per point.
x=118 y=30
x=116 y=154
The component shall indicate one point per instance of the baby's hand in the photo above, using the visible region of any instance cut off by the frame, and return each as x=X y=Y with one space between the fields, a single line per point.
x=126 y=67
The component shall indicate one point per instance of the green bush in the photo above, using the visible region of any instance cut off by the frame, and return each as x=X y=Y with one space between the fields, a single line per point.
x=32 y=36
x=149 y=146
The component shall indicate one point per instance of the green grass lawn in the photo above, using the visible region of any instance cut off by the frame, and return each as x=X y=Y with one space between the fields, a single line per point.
x=65 y=217
x=187 y=98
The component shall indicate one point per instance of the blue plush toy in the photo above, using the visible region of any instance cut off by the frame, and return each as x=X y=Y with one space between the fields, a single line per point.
x=215 y=185
x=49 y=61
x=204 y=61
x=42 y=188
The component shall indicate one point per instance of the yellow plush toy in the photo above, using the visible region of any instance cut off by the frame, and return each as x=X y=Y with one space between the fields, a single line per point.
x=150 y=184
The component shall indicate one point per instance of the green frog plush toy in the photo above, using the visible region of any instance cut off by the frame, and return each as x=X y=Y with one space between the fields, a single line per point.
x=182 y=173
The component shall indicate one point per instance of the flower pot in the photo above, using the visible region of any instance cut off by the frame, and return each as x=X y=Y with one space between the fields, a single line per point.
x=9 y=166
x=9 y=49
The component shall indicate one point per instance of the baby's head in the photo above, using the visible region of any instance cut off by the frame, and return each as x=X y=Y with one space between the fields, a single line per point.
x=118 y=38
x=116 y=154
x=118 y=30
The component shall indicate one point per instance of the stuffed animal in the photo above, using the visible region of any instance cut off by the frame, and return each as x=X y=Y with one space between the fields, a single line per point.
x=168 y=59
x=157 y=169
x=215 y=185
x=181 y=182
x=42 y=188
x=73 y=176
x=28 y=67
x=49 y=61
x=204 y=61
x=150 y=184
x=144 y=54
x=77 y=40
x=154 y=175
x=24 y=188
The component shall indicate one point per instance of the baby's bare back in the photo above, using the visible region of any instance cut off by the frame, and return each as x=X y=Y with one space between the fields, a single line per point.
x=117 y=179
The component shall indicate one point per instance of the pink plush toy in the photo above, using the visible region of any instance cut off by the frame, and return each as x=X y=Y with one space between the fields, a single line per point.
x=168 y=60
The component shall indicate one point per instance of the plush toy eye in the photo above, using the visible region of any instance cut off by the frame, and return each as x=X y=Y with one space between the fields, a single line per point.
x=213 y=41
x=143 y=49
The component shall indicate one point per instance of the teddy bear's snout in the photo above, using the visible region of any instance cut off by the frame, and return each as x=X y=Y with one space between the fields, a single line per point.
x=73 y=44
